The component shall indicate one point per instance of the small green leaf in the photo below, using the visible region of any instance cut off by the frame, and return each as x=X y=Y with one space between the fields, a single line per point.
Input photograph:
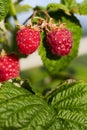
x=69 y=3
x=75 y=7
x=55 y=7
x=70 y=101
x=4 y=6
x=82 y=8
x=54 y=64
x=22 y=8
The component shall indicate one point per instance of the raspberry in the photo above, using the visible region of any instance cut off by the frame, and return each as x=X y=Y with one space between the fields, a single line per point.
x=28 y=40
x=60 y=41
x=9 y=67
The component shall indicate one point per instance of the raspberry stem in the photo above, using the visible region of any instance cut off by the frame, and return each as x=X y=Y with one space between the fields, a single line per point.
x=3 y=53
x=20 y=26
x=13 y=12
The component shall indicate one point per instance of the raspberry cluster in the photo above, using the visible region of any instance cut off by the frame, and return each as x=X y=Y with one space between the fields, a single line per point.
x=58 y=39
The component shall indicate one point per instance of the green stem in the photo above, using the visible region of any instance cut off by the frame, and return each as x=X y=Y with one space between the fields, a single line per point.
x=13 y=12
x=36 y=12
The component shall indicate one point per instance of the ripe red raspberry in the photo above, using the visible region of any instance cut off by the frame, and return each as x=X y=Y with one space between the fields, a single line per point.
x=28 y=40
x=9 y=67
x=60 y=41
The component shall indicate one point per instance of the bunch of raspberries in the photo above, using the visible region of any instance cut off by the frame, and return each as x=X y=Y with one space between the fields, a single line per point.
x=59 y=41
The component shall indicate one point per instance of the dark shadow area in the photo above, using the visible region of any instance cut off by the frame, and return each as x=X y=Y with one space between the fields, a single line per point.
x=49 y=55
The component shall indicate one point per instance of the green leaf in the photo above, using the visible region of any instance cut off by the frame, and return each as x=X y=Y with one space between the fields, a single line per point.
x=20 y=109
x=22 y=8
x=52 y=7
x=69 y=3
x=4 y=6
x=75 y=7
x=70 y=102
x=54 y=64
x=82 y=8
